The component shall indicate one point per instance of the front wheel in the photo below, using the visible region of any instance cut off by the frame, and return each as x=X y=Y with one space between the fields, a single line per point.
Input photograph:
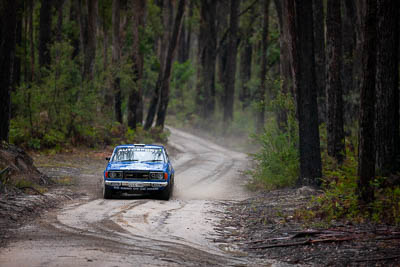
x=166 y=194
x=107 y=192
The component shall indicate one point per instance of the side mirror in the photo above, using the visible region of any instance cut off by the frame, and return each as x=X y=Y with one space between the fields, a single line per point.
x=107 y=158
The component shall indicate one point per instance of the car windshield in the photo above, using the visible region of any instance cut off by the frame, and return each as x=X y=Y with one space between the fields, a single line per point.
x=138 y=154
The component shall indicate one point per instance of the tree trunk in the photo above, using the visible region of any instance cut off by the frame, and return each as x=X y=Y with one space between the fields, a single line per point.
x=366 y=149
x=245 y=73
x=7 y=51
x=357 y=64
x=286 y=69
x=349 y=37
x=205 y=99
x=229 y=85
x=45 y=33
x=88 y=29
x=182 y=45
x=261 y=99
x=319 y=49
x=162 y=111
x=31 y=41
x=188 y=41
x=74 y=19
x=222 y=50
x=16 y=76
x=284 y=60
x=60 y=19
x=108 y=93
x=135 y=100
x=185 y=35
x=105 y=40
x=154 y=102
x=167 y=17
x=26 y=23
x=334 y=98
x=161 y=52
x=300 y=28
x=246 y=56
x=387 y=87
x=116 y=56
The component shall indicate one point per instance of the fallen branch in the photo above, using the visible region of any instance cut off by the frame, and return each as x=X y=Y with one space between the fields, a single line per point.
x=70 y=198
x=379 y=259
x=33 y=189
x=323 y=234
x=4 y=171
x=307 y=242
x=307 y=233
x=4 y=181
x=269 y=239
x=395 y=236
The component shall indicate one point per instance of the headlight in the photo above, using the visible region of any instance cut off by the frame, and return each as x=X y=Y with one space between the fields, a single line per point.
x=156 y=175
x=115 y=175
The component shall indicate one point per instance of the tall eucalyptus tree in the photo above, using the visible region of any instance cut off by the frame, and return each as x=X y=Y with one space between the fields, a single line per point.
x=366 y=147
x=387 y=87
x=261 y=91
x=205 y=96
x=230 y=73
x=7 y=51
x=116 y=56
x=334 y=98
x=300 y=28
x=135 y=100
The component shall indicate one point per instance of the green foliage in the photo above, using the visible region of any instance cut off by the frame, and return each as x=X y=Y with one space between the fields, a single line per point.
x=181 y=101
x=105 y=12
x=386 y=207
x=63 y=181
x=27 y=184
x=116 y=134
x=23 y=183
x=277 y=162
x=339 y=200
x=273 y=52
x=340 y=183
x=154 y=26
x=55 y=108
x=59 y=109
x=62 y=110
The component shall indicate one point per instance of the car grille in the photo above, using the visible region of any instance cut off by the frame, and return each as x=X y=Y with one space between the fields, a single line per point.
x=136 y=175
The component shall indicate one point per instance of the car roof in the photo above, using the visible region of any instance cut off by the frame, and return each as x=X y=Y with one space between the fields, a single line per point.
x=140 y=145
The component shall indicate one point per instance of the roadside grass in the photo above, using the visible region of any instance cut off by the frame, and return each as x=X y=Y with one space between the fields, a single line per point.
x=276 y=163
x=339 y=199
x=52 y=164
x=97 y=136
x=64 y=181
x=276 y=166
x=23 y=184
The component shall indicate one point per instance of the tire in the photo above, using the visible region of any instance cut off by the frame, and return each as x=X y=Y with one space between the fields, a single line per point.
x=107 y=192
x=166 y=194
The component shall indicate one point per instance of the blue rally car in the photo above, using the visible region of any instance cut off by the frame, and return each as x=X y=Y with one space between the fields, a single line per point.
x=139 y=169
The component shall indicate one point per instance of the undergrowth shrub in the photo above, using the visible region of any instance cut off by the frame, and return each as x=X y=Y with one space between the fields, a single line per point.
x=339 y=199
x=59 y=109
x=277 y=161
x=28 y=184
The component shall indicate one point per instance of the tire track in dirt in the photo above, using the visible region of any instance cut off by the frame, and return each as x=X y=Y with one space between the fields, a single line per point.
x=126 y=231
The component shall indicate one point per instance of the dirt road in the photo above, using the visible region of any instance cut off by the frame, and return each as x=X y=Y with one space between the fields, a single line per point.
x=140 y=231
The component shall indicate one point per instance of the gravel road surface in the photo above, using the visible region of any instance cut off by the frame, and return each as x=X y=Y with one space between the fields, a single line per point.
x=140 y=231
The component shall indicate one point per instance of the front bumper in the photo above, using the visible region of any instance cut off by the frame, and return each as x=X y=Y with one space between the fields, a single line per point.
x=136 y=185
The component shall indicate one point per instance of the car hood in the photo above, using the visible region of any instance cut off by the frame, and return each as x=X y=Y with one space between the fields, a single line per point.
x=148 y=166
